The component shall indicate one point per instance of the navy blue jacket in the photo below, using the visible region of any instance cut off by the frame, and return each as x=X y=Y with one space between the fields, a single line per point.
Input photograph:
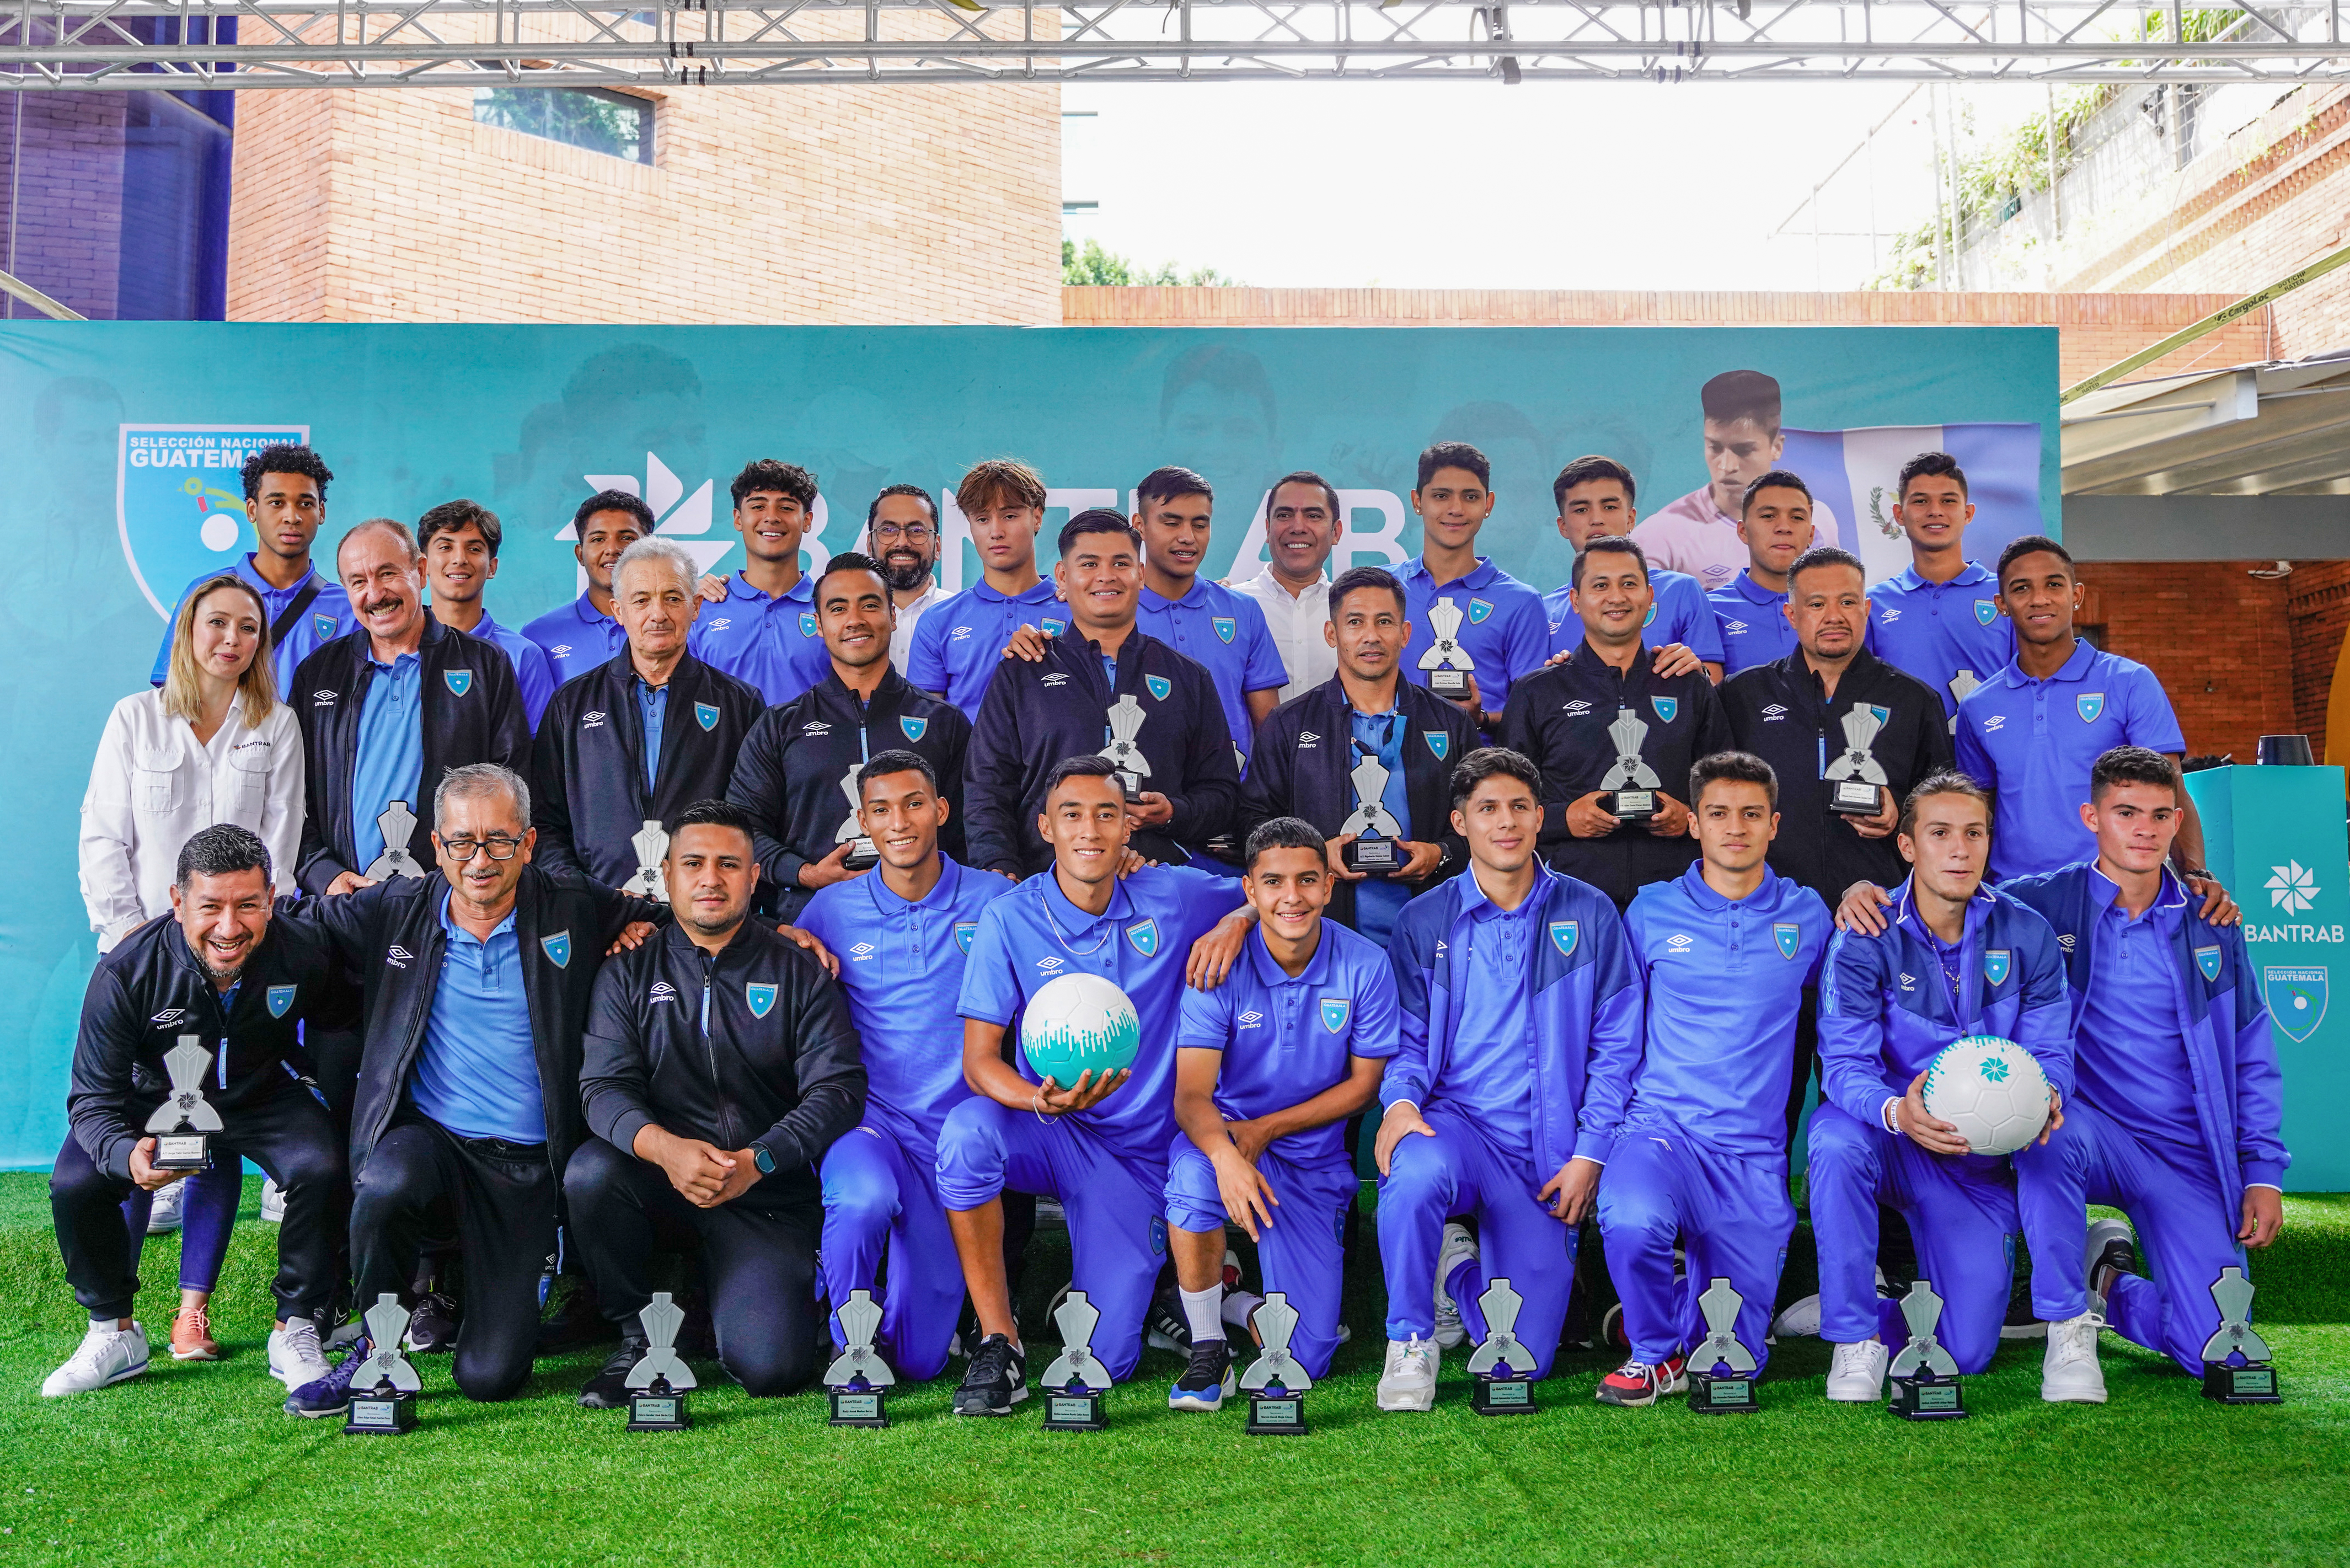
x=1035 y=715
x=472 y=713
x=588 y=789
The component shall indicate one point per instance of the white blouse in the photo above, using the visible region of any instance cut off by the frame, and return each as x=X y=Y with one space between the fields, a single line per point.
x=154 y=785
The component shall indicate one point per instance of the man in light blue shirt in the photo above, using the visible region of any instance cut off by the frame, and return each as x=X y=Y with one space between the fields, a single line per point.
x=1940 y=620
x=1498 y=622
x=1224 y=632
x=1777 y=525
x=762 y=631
x=389 y=764
x=477 y=1074
x=961 y=639
x=583 y=634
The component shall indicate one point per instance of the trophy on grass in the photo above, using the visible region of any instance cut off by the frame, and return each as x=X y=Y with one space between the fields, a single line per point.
x=1374 y=825
x=859 y=1379
x=1925 y=1378
x=1632 y=782
x=1501 y=1366
x=2255 y=1381
x=383 y=1390
x=397 y=823
x=1275 y=1383
x=1447 y=662
x=1126 y=717
x=1713 y=1392
x=183 y=1125
x=862 y=855
x=1856 y=778
x=652 y=843
x=659 y=1382
x=1076 y=1382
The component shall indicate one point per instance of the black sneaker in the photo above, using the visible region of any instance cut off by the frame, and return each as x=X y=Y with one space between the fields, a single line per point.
x=996 y=1380
x=1206 y=1381
x=433 y=1325
x=608 y=1389
x=2110 y=1252
x=1164 y=1327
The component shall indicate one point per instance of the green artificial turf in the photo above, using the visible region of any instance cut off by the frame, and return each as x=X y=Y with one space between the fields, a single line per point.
x=195 y=1465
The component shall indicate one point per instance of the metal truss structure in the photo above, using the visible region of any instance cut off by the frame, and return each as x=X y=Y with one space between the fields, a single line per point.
x=135 y=44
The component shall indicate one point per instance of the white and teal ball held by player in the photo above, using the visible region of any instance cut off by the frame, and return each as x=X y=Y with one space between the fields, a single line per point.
x=1079 y=1023
x=1991 y=1090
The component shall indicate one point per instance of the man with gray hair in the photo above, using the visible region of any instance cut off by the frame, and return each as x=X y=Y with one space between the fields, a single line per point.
x=640 y=737
x=478 y=977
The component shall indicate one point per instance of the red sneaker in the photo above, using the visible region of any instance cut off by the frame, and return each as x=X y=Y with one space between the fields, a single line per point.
x=1637 y=1382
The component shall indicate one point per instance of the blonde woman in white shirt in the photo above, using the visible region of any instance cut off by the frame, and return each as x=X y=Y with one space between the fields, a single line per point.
x=213 y=745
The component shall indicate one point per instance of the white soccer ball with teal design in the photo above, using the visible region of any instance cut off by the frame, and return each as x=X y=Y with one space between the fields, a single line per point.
x=1991 y=1090
x=1077 y=1024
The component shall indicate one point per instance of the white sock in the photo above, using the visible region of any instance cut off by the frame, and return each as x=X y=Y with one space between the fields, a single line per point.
x=1199 y=1308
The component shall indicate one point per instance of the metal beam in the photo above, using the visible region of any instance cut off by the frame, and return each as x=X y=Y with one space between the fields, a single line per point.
x=129 y=46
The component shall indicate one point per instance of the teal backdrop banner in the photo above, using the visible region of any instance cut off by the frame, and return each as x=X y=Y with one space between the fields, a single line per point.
x=127 y=436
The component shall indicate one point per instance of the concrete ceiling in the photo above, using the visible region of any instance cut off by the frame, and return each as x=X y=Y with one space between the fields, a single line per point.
x=2250 y=429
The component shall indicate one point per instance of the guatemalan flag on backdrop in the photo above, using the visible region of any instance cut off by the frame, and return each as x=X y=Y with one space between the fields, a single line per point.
x=1852 y=476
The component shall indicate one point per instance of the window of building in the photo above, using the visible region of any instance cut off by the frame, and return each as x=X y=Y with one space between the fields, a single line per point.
x=613 y=123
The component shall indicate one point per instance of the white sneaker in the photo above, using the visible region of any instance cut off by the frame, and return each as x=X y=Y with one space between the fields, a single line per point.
x=1856 y=1375
x=1798 y=1318
x=295 y=1357
x=106 y=1355
x=1409 y=1381
x=2069 y=1373
x=272 y=1203
x=163 y=1212
x=1458 y=1244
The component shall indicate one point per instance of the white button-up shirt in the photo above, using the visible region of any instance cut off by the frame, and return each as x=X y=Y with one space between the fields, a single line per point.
x=154 y=785
x=1297 y=623
x=901 y=639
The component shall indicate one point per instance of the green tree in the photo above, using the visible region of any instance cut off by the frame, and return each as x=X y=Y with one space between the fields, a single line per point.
x=1095 y=267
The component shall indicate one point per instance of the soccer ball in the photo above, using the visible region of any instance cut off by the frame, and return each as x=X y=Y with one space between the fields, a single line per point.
x=1076 y=1022
x=1991 y=1090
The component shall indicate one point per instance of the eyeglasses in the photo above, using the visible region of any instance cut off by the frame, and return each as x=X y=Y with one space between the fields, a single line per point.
x=500 y=845
x=912 y=532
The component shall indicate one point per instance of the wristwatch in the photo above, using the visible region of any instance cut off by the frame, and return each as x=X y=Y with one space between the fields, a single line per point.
x=762 y=1158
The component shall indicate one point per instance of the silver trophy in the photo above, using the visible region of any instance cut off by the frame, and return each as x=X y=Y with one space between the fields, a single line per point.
x=652 y=843
x=396 y=825
x=1501 y=1366
x=858 y=1378
x=1925 y=1377
x=1961 y=683
x=384 y=1387
x=2254 y=1382
x=1126 y=717
x=861 y=854
x=1713 y=1392
x=1447 y=661
x=1076 y=1381
x=186 y=1107
x=1856 y=777
x=1374 y=825
x=660 y=1381
x=1275 y=1383
x=1632 y=781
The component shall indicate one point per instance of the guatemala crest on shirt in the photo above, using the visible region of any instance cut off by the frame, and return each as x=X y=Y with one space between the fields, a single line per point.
x=963 y=932
x=761 y=998
x=1334 y=1010
x=2090 y=705
x=913 y=727
x=1789 y=936
x=1986 y=611
x=807 y=624
x=324 y=625
x=706 y=714
x=1565 y=935
x=460 y=680
x=1995 y=966
x=1438 y=743
x=1666 y=707
x=1159 y=686
x=558 y=949
x=1226 y=627
x=1144 y=937
x=2208 y=960
x=1479 y=609
x=281 y=997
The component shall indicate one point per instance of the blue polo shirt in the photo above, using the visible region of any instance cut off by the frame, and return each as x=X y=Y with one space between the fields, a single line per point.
x=901 y=964
x=327 y=619
x=653 y=707
x=575 y=638
x=1492 y=1067
x=1681 y=613
x=1725 y=979
x=389 y=764
x=1754 y=625
x=1287 y=1040
x=961 y=639
x=2035 y=741
x=1226 y=632
x=1379 y=900
x=767 y=640
x=1949 y=634
x=533 y=674
x=477 y=1073
x=1140 y=944
x=2129 y=1050
x=1503 y=626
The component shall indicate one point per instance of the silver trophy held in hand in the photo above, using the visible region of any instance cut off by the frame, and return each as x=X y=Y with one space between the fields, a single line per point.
x=861 y=855
x=1373 y=852
x=652 y=843
x=1447 y=662
x=187 y=1150
x=1857 y=778
x=397 y=823
x=1631 y=782
x=1126 y=717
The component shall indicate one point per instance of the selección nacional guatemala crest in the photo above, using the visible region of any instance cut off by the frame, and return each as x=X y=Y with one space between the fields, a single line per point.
x=760 y=999
x=1995 y=966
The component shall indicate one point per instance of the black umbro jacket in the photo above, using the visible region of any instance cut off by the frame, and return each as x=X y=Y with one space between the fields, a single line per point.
x=789 y=773
x=587 y=794
x=472 y=713
x=1035 y=715
x=753 y=1047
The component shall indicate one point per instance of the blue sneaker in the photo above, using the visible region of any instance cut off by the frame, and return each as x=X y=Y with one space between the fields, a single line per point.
x=1207 y=1380
x=330 y=1394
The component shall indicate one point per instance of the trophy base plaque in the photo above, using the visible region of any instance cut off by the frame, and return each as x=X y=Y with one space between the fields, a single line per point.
x=1510 y=1396
x=1851 y=797
x=1452 y=683
x=384 y=1414
x=859 y=1407
x=1928 y=1399
x=862 y=855
x=1372 y=856
x=1131 y=783
x=2252 y=1385
x=1074 y=1411
x=658 y=1409
x=1632 y=804
x=1726 y=1394
x=182 y=1151
x=1275 y=1412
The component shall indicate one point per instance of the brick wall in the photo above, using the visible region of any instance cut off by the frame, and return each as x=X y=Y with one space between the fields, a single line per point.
x=2318 y=600
x=2221 y=640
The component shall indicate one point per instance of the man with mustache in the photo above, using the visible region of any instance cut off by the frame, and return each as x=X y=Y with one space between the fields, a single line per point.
x=901 y=532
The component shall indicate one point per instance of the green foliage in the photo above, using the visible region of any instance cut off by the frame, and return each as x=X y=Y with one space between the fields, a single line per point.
x=1094 y=266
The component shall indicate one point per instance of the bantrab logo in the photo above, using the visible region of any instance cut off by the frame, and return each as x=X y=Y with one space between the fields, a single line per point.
x=179 y=501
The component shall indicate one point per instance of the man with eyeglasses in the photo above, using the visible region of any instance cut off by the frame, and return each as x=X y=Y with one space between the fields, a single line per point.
x=901 y=532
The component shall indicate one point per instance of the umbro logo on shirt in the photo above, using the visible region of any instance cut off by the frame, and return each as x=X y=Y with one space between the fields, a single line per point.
x=2064 y=941
x=323 y=698
x=862 y=951
x=1056 y=678
x=663 y=990
x=959 y=633
x=721 y=624
x=1306 y=738
x=1734 y=629
x=561 y=651
x=1996 y=724
x=592 y=721
x=1890 y=613
x=397 y=956
x=815 y=728
x=1908 y=981
x=168 y=1016
x=1774 y=713
x=1049 y=964
x=1678 y=944
x=1577 y=709
x=1250 y=1019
